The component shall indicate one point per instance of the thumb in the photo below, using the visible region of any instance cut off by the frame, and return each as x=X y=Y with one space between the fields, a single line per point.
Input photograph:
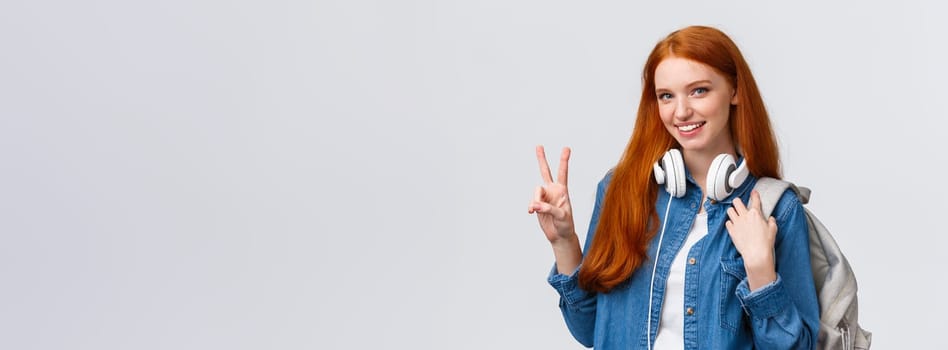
x=546 y=208
x=557 y=212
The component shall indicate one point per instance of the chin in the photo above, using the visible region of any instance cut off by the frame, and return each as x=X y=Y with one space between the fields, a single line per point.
x=691 y=145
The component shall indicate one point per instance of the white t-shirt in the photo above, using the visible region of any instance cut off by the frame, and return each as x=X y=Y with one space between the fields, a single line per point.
x=672 y=323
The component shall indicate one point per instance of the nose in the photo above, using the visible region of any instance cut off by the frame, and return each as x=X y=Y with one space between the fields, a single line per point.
x=683 y=109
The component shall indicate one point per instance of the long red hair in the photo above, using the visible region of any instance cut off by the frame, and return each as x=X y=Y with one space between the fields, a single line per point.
x=628 y=220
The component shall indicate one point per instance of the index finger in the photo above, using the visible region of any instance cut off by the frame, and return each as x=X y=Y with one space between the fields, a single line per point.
x=544 y=166
x=738 y=206
x=755 y=201
x=564 y=166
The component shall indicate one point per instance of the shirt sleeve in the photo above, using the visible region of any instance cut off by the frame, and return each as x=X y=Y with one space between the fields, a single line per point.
x=784 y=314
x=577 y=305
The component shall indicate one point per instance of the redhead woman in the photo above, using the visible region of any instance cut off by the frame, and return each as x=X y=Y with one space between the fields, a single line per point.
x=678 y=254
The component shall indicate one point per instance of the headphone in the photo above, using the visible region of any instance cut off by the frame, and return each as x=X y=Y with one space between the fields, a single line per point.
x=724 y=175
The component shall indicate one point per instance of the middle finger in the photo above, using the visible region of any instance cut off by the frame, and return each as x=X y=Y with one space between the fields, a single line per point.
x=739 y=207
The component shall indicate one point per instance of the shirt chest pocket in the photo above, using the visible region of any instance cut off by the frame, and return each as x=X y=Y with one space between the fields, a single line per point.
x=731 y=311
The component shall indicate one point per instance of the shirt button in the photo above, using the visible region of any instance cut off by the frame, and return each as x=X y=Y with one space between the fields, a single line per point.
x=690 y=311
x=692 y=261
x=692 y=205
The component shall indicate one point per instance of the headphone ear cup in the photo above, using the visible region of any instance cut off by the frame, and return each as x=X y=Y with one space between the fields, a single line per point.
x=674 y=166
x=737 y=178
x=718 y=184
x=659 y=173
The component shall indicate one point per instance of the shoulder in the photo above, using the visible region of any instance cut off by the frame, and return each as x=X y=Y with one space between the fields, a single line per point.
x=604 y=182
x=783 y=205
x=787 y=205
x=603 y=185
x=790 y=216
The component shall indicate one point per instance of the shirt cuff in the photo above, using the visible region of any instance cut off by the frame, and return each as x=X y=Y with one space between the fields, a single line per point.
x=567 y=286
x=766 y=301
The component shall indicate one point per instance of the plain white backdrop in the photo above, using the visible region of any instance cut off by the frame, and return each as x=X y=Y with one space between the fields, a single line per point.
x=355 y=174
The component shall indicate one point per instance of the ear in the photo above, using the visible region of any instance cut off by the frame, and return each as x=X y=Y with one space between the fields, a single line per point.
x=734 y=97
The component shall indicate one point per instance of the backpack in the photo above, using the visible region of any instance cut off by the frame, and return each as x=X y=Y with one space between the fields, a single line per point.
x=832 y=275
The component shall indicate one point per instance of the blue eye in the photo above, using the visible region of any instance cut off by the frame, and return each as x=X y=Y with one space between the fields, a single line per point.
x=699 y=91
x=664 y=96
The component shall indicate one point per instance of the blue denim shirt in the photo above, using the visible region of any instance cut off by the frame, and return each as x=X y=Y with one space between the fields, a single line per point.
x=725 y=314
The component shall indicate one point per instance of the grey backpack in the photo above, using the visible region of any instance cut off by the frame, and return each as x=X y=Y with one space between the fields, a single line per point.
x=832 y=275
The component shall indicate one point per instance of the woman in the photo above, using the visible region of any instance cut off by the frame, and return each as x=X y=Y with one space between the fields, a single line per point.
x=686 y=265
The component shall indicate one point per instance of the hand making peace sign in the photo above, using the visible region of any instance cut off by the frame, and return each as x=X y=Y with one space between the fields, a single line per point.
x=551 y=201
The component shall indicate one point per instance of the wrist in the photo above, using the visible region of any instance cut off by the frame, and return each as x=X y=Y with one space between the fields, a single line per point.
x=565 y=243
x=758 y=263
x=760 y=272
x=568 y=254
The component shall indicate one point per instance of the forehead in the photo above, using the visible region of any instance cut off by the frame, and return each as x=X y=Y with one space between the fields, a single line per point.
x=674 y=72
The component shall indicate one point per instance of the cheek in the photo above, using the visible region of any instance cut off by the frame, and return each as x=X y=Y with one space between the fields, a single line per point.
x=666 y=112
x=714 y=107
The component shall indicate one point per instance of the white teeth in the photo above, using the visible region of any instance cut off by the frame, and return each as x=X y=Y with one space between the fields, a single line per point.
x=690 y=127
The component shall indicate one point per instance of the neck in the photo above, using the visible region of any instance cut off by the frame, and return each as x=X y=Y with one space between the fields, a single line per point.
x=699 y=162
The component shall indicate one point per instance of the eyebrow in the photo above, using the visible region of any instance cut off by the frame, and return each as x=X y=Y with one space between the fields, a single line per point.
x=696 y=82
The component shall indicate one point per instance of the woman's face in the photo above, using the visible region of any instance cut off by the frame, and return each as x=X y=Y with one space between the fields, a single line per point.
x=694 y=103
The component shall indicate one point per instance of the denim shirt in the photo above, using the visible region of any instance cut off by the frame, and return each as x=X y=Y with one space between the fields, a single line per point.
x=720 y=311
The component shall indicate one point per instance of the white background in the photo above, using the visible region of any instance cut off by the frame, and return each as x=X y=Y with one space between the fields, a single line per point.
x=355 y=174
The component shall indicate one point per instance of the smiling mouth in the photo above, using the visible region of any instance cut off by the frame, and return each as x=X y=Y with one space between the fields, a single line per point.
x=690 y=127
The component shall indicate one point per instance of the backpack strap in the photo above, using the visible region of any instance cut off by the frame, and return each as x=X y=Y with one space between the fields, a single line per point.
x=771 y=189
